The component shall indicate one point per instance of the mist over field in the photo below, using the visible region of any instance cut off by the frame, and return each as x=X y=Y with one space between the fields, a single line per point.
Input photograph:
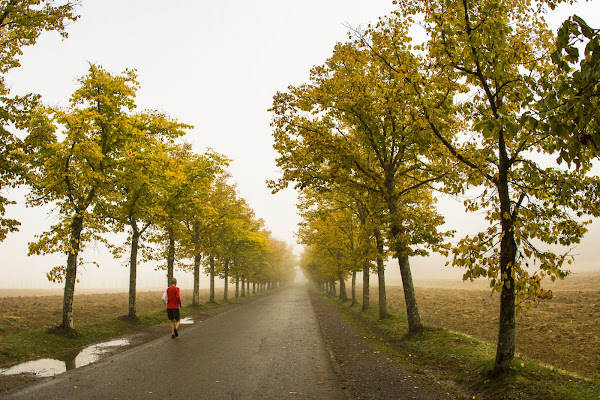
x=30 y=272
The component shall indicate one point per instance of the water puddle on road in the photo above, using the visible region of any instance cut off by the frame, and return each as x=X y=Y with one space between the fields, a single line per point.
x=47 y=367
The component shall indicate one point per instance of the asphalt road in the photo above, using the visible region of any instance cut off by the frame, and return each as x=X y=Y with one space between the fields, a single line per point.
x=270 y=348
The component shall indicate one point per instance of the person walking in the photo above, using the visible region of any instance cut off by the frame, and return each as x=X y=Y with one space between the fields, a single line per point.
x=173 y=302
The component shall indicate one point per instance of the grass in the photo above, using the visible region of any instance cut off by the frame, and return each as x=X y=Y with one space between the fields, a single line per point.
x=463 y=360
x=43 y=343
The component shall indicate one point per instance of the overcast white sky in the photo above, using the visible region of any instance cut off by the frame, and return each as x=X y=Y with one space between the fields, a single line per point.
x=215 y=65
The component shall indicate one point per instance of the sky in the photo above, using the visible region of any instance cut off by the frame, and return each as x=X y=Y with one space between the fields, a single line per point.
x=214 y=65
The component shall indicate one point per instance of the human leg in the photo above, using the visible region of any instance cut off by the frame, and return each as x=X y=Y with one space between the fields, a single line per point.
x=171 y=315
x=177 y=320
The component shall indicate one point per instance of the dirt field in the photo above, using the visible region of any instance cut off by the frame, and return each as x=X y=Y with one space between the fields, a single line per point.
x=563 y=332
x=23 y=313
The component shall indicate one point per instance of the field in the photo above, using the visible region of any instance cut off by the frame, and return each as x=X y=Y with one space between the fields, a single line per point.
x=33 y=311
x=563 y=332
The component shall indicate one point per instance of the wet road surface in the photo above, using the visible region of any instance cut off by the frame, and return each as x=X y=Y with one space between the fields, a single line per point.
x=271 y=348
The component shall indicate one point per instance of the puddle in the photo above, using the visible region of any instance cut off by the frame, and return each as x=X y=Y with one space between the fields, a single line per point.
x=43 y=368
x=186 y=321
x=47 y=367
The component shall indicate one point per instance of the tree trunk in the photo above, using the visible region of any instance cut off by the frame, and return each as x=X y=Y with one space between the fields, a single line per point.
x=381 y=276
x=412 y=311
x=135 y=242
x=343 y=294
x=71 y=275
x=366 y=291
x=366 y=300
x=243 y=286
x=237 y=285
x=248 y=287
x=170 y=256
x=333 y=292
x=212 y=279
x=197 y=259
x=196 y=295
x=505 y=349
x=226 y=285
x=354 y=301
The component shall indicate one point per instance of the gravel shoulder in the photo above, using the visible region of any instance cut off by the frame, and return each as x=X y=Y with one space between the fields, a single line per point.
x=365 y=372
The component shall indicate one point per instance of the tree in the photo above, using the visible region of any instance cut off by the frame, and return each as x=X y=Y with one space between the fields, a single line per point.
x=357 y=116
x=75 y=172
x=249 y=249
x=222 y=198
x=21 y=23
x=351 y=214
x=311 y=265
x=134 y=204
x=202 y=171
x=281 y=262
x=333 y=228
x=498 y=53
x=171 y=210
x=238 y=232
x=253 y=259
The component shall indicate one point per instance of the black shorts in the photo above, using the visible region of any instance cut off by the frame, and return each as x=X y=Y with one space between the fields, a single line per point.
x=173 y=314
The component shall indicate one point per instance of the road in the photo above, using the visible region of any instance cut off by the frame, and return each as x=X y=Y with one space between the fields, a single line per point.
x=270 y=348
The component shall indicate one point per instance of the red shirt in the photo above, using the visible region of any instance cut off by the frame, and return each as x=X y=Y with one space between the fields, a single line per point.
x=173 y=299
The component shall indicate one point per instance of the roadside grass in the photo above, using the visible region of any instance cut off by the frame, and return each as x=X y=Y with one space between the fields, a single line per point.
x=460 y=359
x=40 y=343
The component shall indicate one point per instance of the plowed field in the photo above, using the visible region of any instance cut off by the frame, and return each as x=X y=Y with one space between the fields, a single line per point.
x=563 y=332
x=29 y=312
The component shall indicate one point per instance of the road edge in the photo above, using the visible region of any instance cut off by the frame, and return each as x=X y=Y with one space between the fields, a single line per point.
x=334 y=361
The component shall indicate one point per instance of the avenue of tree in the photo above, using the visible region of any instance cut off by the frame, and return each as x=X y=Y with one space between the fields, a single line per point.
x=493 y=102
x=106 y=167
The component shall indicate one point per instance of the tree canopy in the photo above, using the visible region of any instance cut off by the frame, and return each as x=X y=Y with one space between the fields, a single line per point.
x=21 y=24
